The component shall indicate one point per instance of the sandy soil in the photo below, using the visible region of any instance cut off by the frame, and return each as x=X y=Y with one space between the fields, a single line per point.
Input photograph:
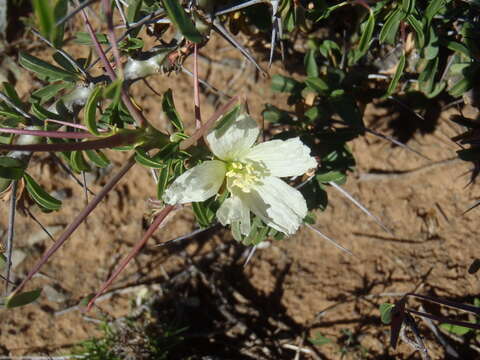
x=290 y=291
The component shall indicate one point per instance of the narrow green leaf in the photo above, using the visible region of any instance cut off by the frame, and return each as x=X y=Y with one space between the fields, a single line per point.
x=46 y=93
x=59 y=11
x=22 y=299
x=177 y=14
x=285 y=84
x=163 y=178
x=456 y=329
x=200 y=214
x=390 y=28
x=426 y=80
x=44 y=12
x=44 y=69
x=11 y=168
x=169 y=109
x=42 y=113
x=433 y=8
x=458 y=47
x=408 y=6
x=143 y=158
x=310 y=63
x=91 y=110
x=12 y=94
x=386 y=313
x=417 y=25
x=366 y=37
x=78 y=162
x=334 y=176
x=40 y=196
x=396 y=77
x=83 y=38
x=64 y=63
x=98 y=158
x=317 y=84
x=3 y=261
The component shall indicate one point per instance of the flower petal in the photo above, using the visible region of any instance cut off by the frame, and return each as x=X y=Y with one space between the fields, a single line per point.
x=283 y=157
x=232 y=211
x=279 y=205
x=196 y=184
x=231 y=141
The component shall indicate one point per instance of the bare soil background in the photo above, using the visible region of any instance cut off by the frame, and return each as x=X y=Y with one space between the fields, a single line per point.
x=290 y=291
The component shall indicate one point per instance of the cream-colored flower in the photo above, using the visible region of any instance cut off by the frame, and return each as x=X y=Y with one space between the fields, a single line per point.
x=252 y=175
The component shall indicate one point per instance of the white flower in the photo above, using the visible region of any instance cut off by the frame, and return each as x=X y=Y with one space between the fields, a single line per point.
x=252 y=175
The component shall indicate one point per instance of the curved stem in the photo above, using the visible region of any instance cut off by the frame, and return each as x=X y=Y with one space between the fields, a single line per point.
x=79 y=219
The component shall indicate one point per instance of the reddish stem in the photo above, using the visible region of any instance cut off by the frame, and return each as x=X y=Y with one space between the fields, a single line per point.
x=207 y=126
x=109 y=142
x=196 y=93
x=136 y=249
x=79 y=219
x=134 y=111
x=50 y=134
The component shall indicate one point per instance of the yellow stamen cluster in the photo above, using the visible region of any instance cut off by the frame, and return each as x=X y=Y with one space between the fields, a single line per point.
x=244 y=175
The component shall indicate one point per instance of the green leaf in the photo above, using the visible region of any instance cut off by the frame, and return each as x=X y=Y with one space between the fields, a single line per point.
x=169 y=109
x=64 y=63
x=408 y=6
x=78 y=162
x=163 y=178
x=433 y=8
x=456 y=329
x=457 y=47
x=44 y=69
x=42 y=113
x=311 y=64
x=143 y=158
x=386 y=310
x=60 y=10
x=98 y=158
x=396 y=77
x=48 y=92
x=273 y=114
x=319 y=340
x=417 y=25
x=11 y=168
x=461 y=87
x=114 y=91
x=22 y=299
x=12 y=95
x=44 y=12
x=282 y=83
x=91 y=110
x=366 y=37
x=426 y=80
x=177 y=14
x=317 y=84
x=40 y=196
x=334 y=176
x=83 y=38
x=390 y=28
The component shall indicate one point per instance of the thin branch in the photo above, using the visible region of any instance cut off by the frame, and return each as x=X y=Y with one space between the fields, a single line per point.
x=360 y=206
x=79 y=219
x=207 y=125
x=136 y=249
x=75 y=12
x=196 y=94
x=233 y=8
x=50 y=134
x=109 y=142
x=186 y=236
x=134 y=111
x=39 y=223
x=111 y=35
x=10 y=233
x=206 y=84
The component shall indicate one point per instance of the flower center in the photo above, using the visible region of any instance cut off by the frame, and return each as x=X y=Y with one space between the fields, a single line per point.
x=245 y=174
